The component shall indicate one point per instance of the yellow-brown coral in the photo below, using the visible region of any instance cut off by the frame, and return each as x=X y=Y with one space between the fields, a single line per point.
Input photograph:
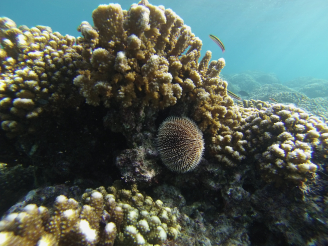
x=130 y=218
x=148 y=57
x=284 y=138
x=143 y=59
x=135 y=56
x=37 y=67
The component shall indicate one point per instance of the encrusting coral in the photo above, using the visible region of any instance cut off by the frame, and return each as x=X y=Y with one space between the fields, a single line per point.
x=112 y=217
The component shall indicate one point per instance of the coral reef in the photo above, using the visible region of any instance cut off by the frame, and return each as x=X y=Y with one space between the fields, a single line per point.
x=312 y=87
x=315 y=89
x=250 y=80
x=284 y=94
x=131 y=66
x=127 y=67
x=180 y=144
x=284 y=138
x=279 y=92
x=123 y=217
x=128 y=59
x=37 y=67
x=318 y=106
x=259 y=104
x=84 y=112
x=134 y=72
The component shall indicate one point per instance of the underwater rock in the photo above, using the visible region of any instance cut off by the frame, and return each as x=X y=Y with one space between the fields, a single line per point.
x=138 y=165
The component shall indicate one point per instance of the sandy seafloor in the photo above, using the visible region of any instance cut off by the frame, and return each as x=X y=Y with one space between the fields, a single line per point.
x=276 y=52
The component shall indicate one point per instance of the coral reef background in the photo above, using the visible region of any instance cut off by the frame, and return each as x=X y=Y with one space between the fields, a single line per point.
x=83 y=112
x=308 y=93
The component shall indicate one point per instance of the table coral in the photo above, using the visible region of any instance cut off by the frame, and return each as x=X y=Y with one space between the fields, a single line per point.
x=129 y=218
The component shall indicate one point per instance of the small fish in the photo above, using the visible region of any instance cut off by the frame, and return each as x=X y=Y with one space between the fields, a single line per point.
x=303 y=98
x=218 y=42
x=243 y=93
x=233 y=95
x=273 y=100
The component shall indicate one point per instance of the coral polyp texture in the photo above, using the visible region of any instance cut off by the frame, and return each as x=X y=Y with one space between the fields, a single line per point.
x=134 y=64
x=81 y=112
x=142 y=60
x=112 y=217
x=282 y=138
x=147 y=57
x=132 y=57
x=180 y=144
x=37 y=67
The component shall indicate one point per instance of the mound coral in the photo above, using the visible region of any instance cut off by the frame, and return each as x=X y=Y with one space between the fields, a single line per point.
x=116 y=216
x=37 y=67
x=282 y=139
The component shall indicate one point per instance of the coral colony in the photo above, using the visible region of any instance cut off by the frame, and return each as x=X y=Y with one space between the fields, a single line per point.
x=130 y=218
x=246 y=163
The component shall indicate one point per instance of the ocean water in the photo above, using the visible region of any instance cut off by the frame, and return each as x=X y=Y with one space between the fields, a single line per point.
x=285 y=37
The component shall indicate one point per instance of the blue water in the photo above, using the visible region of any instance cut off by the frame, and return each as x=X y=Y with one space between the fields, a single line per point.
x=285 y=37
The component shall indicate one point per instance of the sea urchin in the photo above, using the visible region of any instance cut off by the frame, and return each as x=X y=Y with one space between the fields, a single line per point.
x=180 y=144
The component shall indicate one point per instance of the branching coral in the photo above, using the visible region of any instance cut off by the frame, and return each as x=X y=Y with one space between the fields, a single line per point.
x=136 y=63
x=132 y=65
x=129 y=61
x=143 y=57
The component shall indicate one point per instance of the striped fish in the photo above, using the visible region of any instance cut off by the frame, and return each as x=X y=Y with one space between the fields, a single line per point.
x=233 y=95
x=273 y=100
x=218 y=42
